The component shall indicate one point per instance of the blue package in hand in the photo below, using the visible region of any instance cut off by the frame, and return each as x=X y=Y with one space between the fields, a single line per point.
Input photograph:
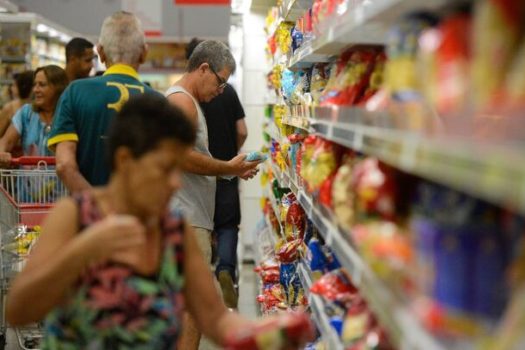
x=254 y=156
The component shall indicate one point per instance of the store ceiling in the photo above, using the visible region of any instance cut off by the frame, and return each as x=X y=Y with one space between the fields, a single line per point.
x=179 y=23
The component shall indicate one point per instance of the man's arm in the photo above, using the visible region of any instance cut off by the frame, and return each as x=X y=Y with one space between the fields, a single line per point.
x=202 y=164
x=242 y=132
x=67 y=167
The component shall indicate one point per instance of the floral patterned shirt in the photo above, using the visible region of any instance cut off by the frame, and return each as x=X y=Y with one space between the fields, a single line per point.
x=114 y=307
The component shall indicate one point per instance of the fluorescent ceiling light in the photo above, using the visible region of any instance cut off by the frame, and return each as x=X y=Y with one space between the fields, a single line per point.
x=42 y=28
x=3 y=9
x=53 y=32
x=65 y=38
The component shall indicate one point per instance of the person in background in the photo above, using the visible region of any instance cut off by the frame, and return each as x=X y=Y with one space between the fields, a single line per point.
x=88 y=105
x=79 y=58
x=21 y=91
x=209 y=67
x=32 y=123
x=227 y=132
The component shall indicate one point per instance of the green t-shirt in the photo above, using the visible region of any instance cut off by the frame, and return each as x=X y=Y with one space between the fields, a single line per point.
x=84 y=113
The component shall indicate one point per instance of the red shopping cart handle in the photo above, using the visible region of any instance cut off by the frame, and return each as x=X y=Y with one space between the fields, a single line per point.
x=26 y=160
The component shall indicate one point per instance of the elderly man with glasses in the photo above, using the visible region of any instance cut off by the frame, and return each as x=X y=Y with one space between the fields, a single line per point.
x=209 y=68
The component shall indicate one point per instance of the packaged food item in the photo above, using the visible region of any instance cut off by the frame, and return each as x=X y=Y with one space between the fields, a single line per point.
x=335 y=286
x=322 y=164
x=445 y=63
x=356 y=322
x=515 y=82
x=290 y=283
x=386 y=248
x=290 y=251
x=295 y=221
x=271 y=296
x=277 y=333
x=463 y=253
x=320 y=73
x=325 y=192
x=351 y=80
x=375 y=80
x=343 y=198
x=255 y=156
x=375 y=189
x=402 y=46
x=498 y=29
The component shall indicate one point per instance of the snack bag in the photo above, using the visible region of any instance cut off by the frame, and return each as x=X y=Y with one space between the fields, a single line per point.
x=290 y=283
x=497 y=28
x=335 y=286
x=445 y=60
x=295 y=220
x=343 y=197
x=375 y=189
x=375 y=80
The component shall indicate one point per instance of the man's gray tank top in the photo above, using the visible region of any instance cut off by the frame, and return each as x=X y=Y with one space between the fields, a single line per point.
x=196 y=198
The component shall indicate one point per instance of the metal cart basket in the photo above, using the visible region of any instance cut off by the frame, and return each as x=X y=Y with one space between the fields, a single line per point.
x=28 y=191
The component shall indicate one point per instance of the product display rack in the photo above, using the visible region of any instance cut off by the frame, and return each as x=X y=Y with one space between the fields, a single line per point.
x=30 y=41
x=365 y=25
x=404 y=329
x=451 y=150
x=493 y=172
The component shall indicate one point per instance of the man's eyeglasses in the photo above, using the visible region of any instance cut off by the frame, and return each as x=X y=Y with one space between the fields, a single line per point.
x=220 y=80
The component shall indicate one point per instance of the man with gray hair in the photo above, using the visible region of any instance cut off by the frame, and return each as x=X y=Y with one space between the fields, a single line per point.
x=209 y=68
x=87 y=106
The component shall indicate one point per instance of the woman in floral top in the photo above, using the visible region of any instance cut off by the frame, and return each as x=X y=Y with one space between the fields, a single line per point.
x=113 y=265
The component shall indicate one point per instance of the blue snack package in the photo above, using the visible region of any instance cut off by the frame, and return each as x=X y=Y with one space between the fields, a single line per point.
x=255 y=156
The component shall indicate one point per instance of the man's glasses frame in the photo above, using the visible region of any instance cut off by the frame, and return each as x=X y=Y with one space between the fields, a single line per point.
x=220 y=80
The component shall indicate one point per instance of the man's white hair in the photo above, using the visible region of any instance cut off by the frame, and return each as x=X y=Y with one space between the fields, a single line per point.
x=122 y=38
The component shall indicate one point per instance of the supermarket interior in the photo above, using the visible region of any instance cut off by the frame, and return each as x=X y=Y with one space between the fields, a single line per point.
x=386 y=210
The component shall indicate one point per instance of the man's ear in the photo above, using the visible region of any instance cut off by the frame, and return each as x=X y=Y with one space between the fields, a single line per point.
x=101 y=53
x=204 y=67
x=143 y=54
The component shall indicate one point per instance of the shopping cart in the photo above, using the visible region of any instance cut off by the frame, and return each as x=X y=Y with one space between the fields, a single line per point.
x=28 y=191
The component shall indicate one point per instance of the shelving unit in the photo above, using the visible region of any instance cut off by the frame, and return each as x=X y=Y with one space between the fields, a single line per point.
x=317 y=306
x=365 y=25
x=448 y=150
x=291 y=10
x=489 y=171
x=29 y=41
x=404 y=329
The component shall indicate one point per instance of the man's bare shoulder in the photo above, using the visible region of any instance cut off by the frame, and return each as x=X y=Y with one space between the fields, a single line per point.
x=185 y=103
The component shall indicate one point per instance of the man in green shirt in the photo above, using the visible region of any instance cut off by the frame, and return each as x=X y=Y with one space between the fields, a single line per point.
x=87 y=106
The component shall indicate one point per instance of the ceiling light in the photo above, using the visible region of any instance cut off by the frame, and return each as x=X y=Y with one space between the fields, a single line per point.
x=65 y=38
x=3 y=9
x=42 y=28
x=53 y=33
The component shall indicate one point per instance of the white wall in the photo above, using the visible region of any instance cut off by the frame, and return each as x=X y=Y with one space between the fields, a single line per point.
x=252 y=96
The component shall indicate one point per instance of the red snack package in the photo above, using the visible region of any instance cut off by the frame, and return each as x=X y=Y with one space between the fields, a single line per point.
x=335 y=286
x=325 y=192
x=289 y=252
x=375 y=189
x=282 y=332
x=295 y=220
x=375 y=80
